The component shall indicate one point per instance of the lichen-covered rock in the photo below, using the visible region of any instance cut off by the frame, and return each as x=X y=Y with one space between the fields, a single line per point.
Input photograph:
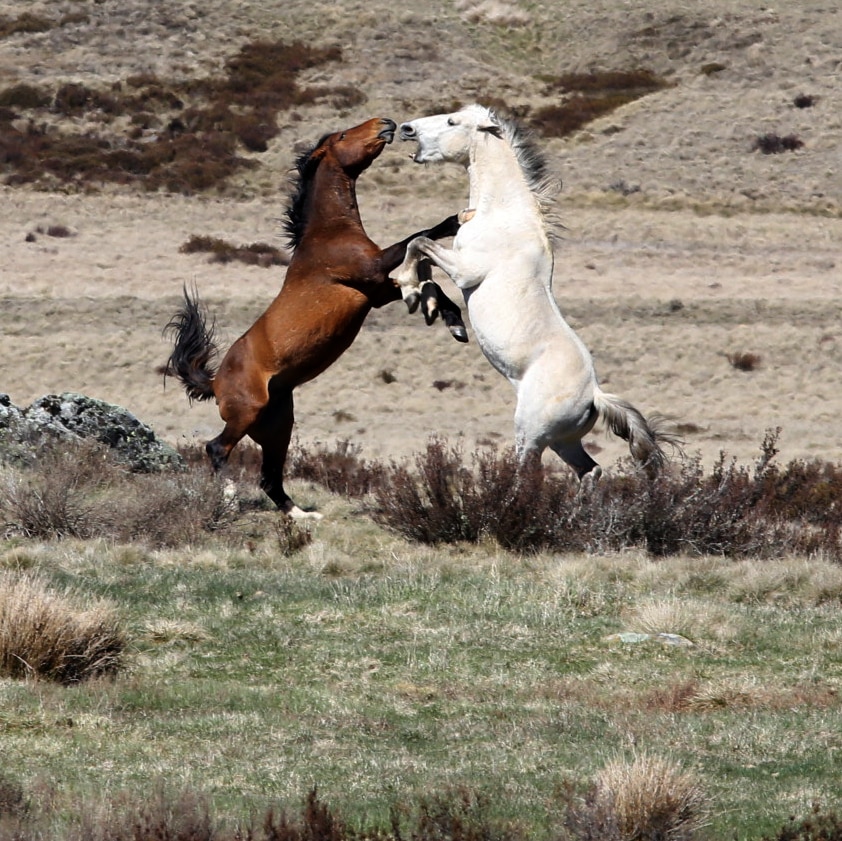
x=72 y=416
x=11 y=417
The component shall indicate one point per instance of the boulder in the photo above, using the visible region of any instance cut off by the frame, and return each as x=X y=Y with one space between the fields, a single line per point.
x=69 y=416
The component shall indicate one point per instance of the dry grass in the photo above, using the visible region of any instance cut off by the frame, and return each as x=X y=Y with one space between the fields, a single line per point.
x=78 y=490
x=651 y=799
x=44 y=634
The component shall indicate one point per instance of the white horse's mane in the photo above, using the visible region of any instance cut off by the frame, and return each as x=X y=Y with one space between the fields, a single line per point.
x=532 y=161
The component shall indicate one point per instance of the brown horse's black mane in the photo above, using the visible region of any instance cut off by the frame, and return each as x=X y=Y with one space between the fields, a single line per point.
x=296 y=219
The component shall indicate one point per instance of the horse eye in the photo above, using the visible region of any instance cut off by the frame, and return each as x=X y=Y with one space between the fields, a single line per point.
x=451 y=121
x=342 y=136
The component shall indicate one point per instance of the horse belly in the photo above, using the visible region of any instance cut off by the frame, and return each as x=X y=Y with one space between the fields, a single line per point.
x=509 y=328
x=302 y=339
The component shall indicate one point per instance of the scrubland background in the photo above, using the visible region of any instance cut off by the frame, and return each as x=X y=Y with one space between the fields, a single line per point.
x=370 y=666
x=678 y=243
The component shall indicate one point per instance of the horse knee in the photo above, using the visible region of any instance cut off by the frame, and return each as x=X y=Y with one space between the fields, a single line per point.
x=217 y=453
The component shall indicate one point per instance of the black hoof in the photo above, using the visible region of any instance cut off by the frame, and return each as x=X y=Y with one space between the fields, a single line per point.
x=459 y=333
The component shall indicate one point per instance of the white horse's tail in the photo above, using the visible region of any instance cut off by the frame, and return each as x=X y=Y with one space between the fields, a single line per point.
x=645 y=437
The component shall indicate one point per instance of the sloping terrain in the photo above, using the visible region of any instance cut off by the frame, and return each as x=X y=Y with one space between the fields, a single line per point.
x=681 y=242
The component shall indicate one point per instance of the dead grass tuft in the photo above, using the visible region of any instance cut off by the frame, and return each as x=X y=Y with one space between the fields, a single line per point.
x=46 y=635
x=647 y=799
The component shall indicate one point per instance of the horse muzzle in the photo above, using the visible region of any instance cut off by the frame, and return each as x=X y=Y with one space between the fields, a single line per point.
x=387 y=133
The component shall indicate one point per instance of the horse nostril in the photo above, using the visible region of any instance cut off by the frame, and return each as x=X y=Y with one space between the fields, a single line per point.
x=407 y=130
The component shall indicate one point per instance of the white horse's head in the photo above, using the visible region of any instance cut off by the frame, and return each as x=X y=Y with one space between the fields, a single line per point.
x=448 y=137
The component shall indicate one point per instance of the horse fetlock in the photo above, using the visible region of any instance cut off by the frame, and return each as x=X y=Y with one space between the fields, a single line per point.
x=429 y=302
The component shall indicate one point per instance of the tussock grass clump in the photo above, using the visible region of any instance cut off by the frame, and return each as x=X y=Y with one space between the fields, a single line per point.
x=648 y=799
x=221 y=251
x=46 y=635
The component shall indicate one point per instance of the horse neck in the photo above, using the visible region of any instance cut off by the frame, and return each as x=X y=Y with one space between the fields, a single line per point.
x=496 y=177
x=331 y=202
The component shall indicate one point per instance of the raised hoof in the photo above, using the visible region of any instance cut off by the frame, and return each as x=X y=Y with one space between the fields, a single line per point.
x=412 y=299
x=459 y=333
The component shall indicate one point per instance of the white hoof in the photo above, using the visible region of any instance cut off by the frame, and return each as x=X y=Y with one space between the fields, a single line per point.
x=297 y=514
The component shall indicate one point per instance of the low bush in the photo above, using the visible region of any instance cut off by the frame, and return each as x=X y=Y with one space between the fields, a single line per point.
x=734 y=510
x=774 y=144
x=207 y=121
x=590 y=96
x=221 y=251
x=339 y=469
x=77 y=489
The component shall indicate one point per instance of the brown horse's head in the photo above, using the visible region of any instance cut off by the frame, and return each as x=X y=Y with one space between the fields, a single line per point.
x=350 y=152
x=355 y=148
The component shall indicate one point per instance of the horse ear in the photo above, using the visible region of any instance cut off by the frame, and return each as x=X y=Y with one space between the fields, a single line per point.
x=494 y=131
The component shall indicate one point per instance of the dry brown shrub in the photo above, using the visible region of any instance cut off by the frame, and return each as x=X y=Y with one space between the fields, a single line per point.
x=48 y=635
x=221 y=251
x=774 y=144
x=78 y=489
x=291 y=536
x=197 y=152
x=341 y=469
x=590 y=96
x=744 y=361
x=736 y=511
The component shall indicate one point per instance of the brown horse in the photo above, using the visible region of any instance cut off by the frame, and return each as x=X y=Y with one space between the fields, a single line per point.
x=336 y=275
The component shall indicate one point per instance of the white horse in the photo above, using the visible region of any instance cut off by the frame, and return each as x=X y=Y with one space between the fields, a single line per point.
x=502 y=261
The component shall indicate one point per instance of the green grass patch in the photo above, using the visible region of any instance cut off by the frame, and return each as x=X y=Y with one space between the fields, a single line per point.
x=404 y=671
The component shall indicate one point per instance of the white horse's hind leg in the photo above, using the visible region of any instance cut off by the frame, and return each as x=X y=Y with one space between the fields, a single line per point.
x=574 y=454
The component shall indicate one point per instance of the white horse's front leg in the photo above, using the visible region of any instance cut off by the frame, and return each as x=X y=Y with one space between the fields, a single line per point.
x=407 y=275
x=447 y=259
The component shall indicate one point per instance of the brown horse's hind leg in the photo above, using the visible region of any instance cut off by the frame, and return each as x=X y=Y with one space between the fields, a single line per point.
x=273 y=432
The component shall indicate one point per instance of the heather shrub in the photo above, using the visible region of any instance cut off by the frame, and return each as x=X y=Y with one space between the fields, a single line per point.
x=589 y=96
x=291 y=536
x=734 y=510
x=45 y=634
x=221 y=251
x=775 y=144
x=341 y=469
x=819 y=825
x=77 y=489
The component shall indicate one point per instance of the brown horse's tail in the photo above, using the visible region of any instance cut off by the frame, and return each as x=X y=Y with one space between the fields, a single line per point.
x=194 y=352
x=646 y=438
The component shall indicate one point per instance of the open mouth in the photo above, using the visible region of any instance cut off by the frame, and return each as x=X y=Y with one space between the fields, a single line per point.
x=387 y=134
